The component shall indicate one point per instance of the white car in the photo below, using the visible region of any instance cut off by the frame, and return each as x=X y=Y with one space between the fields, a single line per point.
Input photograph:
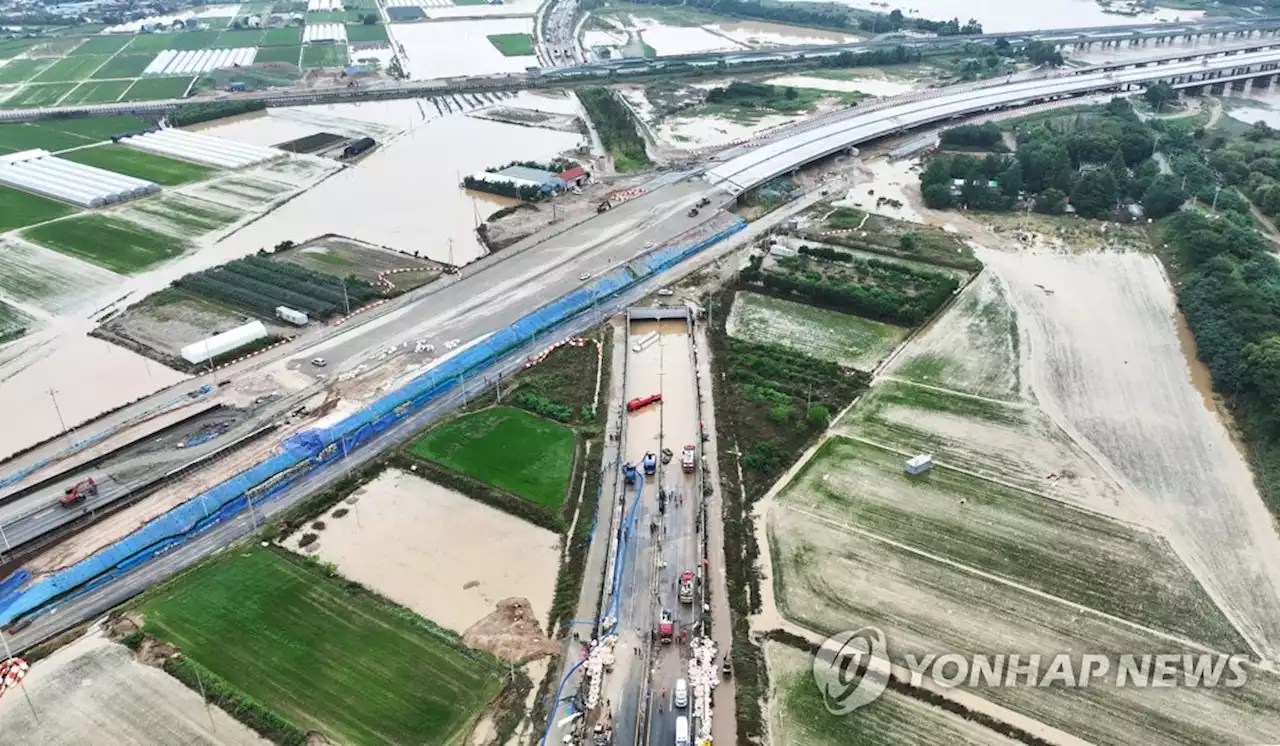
x=648 y=244
x=319 y=362
x=584 y=276
x=681 y=693
x=665 y=292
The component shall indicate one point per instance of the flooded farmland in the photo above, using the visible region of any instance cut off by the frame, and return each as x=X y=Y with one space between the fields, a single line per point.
x=446 y=556
x=1011 y=15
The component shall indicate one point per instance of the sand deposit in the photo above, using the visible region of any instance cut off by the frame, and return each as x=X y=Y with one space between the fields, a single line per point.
x=447 y=557
x=1101 y=352
x=93 y=691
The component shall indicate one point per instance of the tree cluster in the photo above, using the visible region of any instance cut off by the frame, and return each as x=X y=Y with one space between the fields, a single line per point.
x=615 y=125
x=522 y=192
x=986 y=136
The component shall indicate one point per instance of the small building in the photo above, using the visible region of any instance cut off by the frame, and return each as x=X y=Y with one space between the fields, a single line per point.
x=292 y=315
x=358 y=147
x=575 y=177
x=220 y=344
x=919 y=464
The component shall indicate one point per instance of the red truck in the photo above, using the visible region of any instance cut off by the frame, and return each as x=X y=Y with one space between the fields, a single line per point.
x=666 y=627
x=641 y=403
x=78 y=492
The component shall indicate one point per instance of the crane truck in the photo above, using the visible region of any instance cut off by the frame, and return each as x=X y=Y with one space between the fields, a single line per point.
x=78 y=492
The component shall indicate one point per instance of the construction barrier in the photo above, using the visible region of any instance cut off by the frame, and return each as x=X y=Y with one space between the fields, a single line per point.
x=314 y=449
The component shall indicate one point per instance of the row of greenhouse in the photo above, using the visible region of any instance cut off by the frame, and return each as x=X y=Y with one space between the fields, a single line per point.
x=174 y=62
x=198 y=148
x=39 y=172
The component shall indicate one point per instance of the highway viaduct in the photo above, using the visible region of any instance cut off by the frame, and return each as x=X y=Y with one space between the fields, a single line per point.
x=1257 y=33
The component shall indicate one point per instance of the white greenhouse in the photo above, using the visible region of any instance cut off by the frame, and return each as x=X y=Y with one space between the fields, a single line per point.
x=38 y=172
x=324 y=32
x=199 y=148
x=220 y=344
x=173 y=62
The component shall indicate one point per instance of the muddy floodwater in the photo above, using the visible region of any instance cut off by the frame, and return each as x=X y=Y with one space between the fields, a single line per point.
x=442 y=554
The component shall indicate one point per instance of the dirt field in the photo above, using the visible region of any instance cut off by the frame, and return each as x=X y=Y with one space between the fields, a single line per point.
x=166 y=322
x=849 y=340
x=1103 y=357
x=831 y=579
x=344 y=257
x=1011 y=443
x=93 y=691
x=1071 y=554
x=447 y=557
x=973 y=348
x=797 y=716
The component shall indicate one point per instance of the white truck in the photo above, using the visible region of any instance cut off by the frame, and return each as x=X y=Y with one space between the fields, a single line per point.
x=689 y=459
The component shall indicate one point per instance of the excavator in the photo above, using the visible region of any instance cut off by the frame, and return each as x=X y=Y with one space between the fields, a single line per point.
x=78 y=492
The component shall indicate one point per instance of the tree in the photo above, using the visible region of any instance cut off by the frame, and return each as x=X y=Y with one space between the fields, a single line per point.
x=1011 y=181
x=1262 y=366
x=1163 y=197
x=819 y=415
x=907 y=242
x=1094 y=193
x=1051 y=202
x=1040 y=53
x=937 y=196
x=791 y=94
x=370 y=19
x=1159 y=94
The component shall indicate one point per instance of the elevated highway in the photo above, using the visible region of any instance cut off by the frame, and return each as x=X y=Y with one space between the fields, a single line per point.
x=754 y=166
x=1262 y=30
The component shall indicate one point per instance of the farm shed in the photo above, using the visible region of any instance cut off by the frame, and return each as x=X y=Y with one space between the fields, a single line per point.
x=221 y=344
x=199 y=148
x=544 y=180
x=574 y=176
x=38 y=172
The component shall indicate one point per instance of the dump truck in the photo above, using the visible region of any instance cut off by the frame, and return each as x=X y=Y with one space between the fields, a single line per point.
x=666 y=627
x=650 y=464
x=629 y=472
x=689 y=459
x=79 y=491
x=686 y=588
x=637 y=404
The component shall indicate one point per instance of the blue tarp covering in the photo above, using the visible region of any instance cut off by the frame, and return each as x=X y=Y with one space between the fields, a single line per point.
x=313 y=449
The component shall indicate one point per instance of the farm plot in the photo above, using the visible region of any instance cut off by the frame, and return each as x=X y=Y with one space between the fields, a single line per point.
x=346 y=258
x=109 y=242
x=436 y=551
x=101 y=45
x=363 y=33
x=851 y=341
x=19 y=209
x=123 y=66
x=973 y=348
x=156 y=89
x=69 y=69
x=32 y=96
x=102 y=92
x=892 y=292
x=13 y=323
x=291 y=54
x=48 y=279
x=1108 y=367
x=512 y=45
x=20 y=71
x=832 y=579
x=412 y=684
x=97 y=129
x=95 y=691
x=1017 y=444
x=141 y=164
x=258 y=286
x=167 y=321
x=799 y=717
x=18 y=137
x=181 y=215
x=857 y=229
x=324 y=55
x=281 y=37
x=1034 y=541
x=508 y=448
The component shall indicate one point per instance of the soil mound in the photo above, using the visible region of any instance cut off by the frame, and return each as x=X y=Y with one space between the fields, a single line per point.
x=511 y=632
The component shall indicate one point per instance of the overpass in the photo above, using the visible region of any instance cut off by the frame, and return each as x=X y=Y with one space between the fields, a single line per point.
x=1263 y=31
x=757 y=165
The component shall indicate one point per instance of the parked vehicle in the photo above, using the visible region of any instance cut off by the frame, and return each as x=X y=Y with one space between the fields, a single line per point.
x=319 y=362
x=650 y=464
x=629 y=472
x=682 y=731
x=681 y=695
x=686 y=588
x=689 y=459
x=666 y=627
x=665 y=292
x=693 y=212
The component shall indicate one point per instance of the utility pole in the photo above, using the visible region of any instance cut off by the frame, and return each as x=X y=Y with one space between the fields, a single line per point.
x=53 y=394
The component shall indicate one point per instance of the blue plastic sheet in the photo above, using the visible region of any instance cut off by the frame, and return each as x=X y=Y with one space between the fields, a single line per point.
x=310 y=450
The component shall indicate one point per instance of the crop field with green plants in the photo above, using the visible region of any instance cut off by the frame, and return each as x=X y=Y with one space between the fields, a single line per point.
x=320 y=656
x=109 y=242
x=258 y=285
x=849 y=340
x=140 y=164
x=19 y=209
x=508 y=448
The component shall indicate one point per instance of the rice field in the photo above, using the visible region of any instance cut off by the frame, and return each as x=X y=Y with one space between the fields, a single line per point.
x=319 y=656
x=20 y=71
x=69 y=69
x=291 y=54
x=19 y=209
x=181 y=215
x=48 y=279
x=95 y=45
x=141 y=164
x=38 y=95
x=123 y=66
x=155 y=89
x=97 y=92
x=109 y=242
x=324 y=55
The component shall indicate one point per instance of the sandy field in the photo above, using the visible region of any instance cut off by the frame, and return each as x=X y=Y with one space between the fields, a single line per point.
x=445 y=50
x=830 y=578
x=49 y=280
x=447 y=557
x=796 y=716
x=972 y=348
x=93 y=691
x=1013 y=15
x=851 y=341
x=765 y=34
x=1124 y=393
x=869 y=86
